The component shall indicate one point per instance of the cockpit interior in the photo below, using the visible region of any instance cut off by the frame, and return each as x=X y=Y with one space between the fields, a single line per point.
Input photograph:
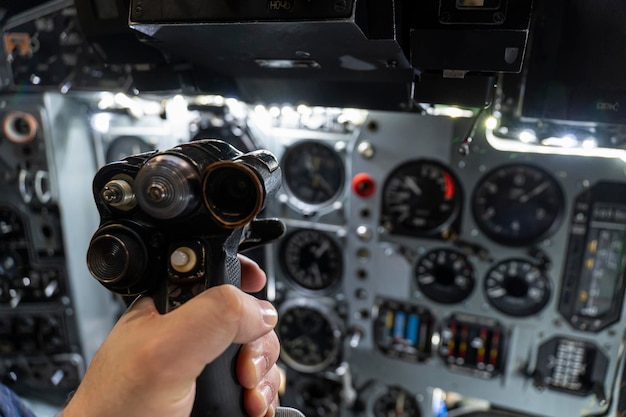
x=453 y=189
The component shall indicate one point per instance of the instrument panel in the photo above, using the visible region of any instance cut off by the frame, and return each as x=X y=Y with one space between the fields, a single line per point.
x=464 y=270
x=423 y=270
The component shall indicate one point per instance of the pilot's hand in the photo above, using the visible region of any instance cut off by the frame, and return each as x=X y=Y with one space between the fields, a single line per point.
x=148 y=364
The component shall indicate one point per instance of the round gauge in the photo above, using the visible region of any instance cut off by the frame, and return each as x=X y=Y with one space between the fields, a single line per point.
x=319 y=397
x=124 y=146
x=311 y=259
x=445 y=276
x=517 y=288
x=309 y=336
x=419 y=197
x=396 y=402
x=313 y=172
x=517 y=204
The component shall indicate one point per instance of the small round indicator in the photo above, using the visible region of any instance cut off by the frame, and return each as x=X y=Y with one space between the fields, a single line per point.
x=445 y=276
x=311 y=259
x=517 y=204
x=396 y=402
x=363 y=185
x=420 y=197
x=313 y=172
x=309 y=334
x=20 y=127
x=318 y=397
x=517 y=287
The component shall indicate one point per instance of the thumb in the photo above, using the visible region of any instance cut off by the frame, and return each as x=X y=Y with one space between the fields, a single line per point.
x=218 y=317
x=141 y=306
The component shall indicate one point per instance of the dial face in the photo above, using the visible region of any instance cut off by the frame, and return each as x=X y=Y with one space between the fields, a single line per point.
x=309 y=337
x=517 y=287
x=419 y=197
x=319 y=397
x=311 y=259
x=396 y=402
x=518 y=204
x=445 y=276
x=313 y=172
x=124 y=146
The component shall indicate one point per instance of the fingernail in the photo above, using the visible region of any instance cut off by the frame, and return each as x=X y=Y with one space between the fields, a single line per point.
x=270 y=315
x=260 y=365
x=268 y=395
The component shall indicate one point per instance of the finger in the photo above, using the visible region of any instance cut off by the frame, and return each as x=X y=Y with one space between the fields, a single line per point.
x=203 y=327
x=253 y=278
x=141 y=306
x=271 y=411
x=258 y=401
x=256 y=359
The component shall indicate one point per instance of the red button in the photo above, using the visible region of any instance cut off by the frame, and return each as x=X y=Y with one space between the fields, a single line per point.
x=363 y=185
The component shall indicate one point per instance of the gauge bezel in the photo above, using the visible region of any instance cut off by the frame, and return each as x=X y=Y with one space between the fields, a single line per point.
x=293 y=199
x=506 y=240
x=327 y=314
x=391 y=393
x=335 y=246
x=452 y=221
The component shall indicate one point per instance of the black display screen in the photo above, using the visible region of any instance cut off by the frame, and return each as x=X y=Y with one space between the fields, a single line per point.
x=569 y=76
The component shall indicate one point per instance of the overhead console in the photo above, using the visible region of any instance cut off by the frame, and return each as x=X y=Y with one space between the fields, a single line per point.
x=345 y=53
x=382 y=55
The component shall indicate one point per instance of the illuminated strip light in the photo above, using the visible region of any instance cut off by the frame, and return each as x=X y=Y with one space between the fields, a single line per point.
x=480 y=355
x=511 y=145
x=495 y=346
x=463 y=345
x=451 y=342
x=453 y=112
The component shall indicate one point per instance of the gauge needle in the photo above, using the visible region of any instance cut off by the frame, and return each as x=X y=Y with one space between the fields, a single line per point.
x=315 y=271
x=322 y=181
x=534 y=192
x=412 y=185
x=320 y=251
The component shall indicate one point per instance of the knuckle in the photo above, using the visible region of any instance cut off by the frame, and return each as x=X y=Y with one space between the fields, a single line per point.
x=232 y=304
x=272 y=347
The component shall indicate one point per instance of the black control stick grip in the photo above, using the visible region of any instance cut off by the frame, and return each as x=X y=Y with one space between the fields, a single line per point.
x=216 y=394
x=171 y=225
